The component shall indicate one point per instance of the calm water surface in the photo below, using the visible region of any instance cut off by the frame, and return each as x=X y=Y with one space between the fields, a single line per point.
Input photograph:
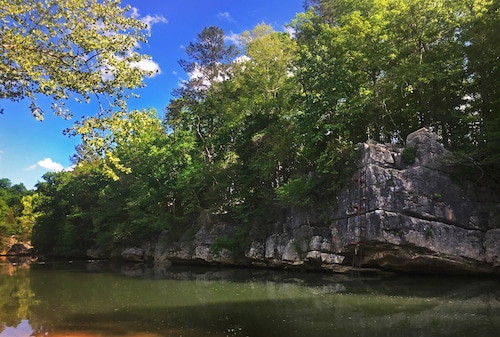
x=101 y=300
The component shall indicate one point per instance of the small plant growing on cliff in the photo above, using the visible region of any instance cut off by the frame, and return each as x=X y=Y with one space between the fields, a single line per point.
x=390 y=180
x=297 y=246
x=436 y=196
x=235 y=243
x=408 y=155
x=428 y=233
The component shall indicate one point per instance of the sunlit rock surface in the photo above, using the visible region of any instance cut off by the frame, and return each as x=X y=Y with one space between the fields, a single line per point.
x=418 y=219
x=394 y=216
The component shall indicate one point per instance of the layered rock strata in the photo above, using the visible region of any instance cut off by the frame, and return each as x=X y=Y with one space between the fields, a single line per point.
x=410 y=217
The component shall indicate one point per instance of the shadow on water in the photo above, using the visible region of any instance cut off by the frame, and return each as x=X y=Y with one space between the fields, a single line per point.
x=344 y=317
x=107 y=300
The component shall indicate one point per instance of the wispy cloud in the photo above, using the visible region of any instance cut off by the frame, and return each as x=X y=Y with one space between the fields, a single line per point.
x=234 y=38
x=31 y=168
x=134 y=12
x=150 y=20
x=225 y=16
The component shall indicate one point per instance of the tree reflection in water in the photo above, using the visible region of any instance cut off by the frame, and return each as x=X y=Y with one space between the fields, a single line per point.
x=16 y=295
x=103 y=300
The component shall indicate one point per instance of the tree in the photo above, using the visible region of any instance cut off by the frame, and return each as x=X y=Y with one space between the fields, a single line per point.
x=27 y=219
x=144 y=179
x=412 y=64
x=333 y=117
x=66 y=209
x=210 y=61
x=482 y=50
x=405 y=59
x=279 y=127
x=69 y=48
x=263 y=94
x=12 y=207
x=240 y=111
x=323 y=8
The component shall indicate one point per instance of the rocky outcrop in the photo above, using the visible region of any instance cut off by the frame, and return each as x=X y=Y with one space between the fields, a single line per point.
x=19 y=249
x=395 y=214
x=13 y=247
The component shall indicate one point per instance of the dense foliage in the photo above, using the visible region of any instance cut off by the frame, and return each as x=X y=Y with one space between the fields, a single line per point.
x=17 y=214
x=69 y=48
x=277 y=125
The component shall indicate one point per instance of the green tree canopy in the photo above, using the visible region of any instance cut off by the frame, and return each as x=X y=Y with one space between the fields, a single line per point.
x=15 y=203
x=396 y=66
x=69 y=48
x=248 y=136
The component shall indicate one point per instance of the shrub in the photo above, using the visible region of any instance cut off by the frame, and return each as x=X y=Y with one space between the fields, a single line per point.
x=235 y=244
x=428 y=233
x=408 y=155
x=296 y=192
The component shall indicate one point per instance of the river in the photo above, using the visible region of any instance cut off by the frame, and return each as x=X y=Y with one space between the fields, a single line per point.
x=105 y=300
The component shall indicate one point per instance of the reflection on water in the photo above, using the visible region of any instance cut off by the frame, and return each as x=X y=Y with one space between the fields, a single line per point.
x=98 y=300
x=24 y=329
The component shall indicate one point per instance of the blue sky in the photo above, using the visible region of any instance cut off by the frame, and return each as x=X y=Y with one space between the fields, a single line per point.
x=29 y=148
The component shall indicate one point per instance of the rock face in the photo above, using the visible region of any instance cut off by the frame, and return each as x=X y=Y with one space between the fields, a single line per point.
x=134 y=254
x=414 y=217
x=403 y=217
x=19 y=249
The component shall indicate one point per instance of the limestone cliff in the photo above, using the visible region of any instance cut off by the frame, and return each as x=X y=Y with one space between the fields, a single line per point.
x=409 y=217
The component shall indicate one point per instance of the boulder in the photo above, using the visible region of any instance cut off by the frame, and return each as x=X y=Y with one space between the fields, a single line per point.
x=19 y=249
x=133 y=254
x=95 y=253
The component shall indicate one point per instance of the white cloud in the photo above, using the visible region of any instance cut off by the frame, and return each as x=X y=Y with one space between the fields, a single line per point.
x=145 y=64
x=31 y=168
x=135 y=12
x=290 y=31
x=150 y=20
x=107 y=73
x=234 y=38
x=50 y=165
x=225 y=16
x=241 y=59
x=197 y=74
x=149 y=66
